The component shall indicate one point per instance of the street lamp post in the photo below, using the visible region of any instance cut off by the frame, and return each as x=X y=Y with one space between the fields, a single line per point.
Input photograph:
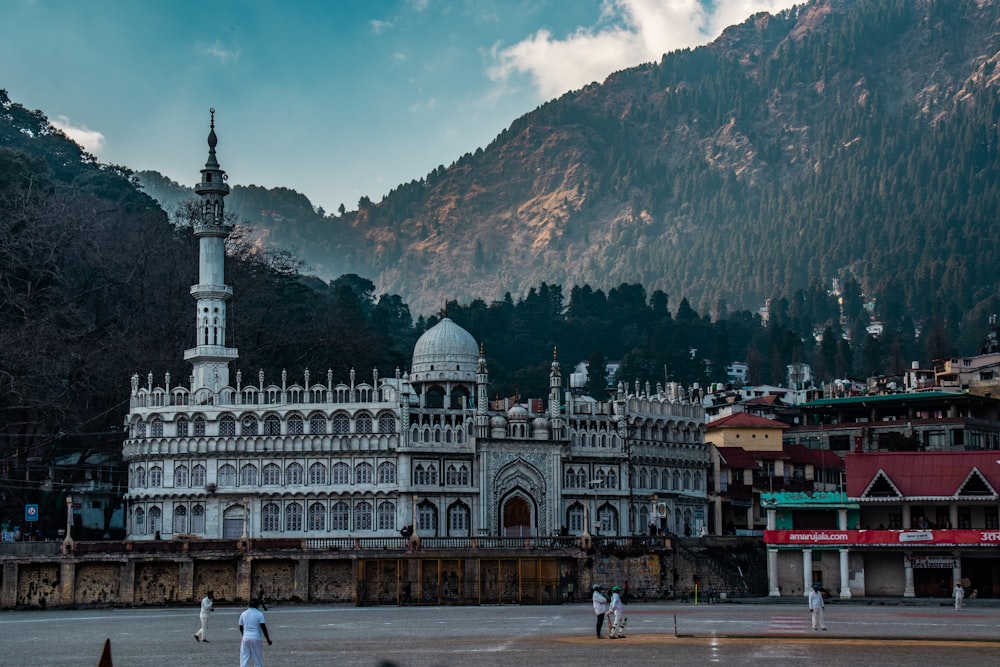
x=68 y=542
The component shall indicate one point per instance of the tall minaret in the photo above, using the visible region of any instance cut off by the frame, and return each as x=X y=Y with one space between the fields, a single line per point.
x=210 y=357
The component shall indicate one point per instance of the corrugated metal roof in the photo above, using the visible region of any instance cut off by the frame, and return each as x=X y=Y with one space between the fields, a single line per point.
x=922 y=474
x=745 y=420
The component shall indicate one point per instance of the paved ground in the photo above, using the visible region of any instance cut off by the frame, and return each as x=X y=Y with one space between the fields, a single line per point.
x=924 y=635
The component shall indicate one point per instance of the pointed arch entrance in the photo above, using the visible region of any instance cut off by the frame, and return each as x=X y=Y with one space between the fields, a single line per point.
x=517 y=518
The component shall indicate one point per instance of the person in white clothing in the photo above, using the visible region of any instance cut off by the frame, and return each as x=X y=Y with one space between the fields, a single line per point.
x=616 y=614
x=959 y=594
x=254 y=632
x=816 y=606
x=600 y=607
x=206 y=609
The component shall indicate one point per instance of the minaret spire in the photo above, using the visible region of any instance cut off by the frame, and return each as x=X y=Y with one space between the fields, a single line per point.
x=210 y=357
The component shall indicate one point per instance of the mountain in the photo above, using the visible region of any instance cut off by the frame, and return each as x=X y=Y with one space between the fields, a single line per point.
x=841 y=139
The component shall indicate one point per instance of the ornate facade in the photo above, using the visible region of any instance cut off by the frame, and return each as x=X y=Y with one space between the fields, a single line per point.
x=319 y=457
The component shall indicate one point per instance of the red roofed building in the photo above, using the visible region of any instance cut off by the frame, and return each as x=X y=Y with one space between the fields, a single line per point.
x=910 y=525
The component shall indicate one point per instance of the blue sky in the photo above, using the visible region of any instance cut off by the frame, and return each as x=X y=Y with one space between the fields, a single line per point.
x=335 y=99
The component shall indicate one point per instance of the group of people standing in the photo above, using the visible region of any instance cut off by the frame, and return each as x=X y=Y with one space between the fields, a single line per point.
x=612 y=609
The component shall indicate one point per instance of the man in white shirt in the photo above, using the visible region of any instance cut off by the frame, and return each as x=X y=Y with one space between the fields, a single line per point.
x=816 y=605
x=254 y=631
x=206 y=609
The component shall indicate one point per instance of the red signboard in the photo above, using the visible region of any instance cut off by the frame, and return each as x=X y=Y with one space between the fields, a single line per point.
x=882 y=538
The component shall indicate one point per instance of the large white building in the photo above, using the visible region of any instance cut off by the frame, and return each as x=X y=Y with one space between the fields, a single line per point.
x=323 y=457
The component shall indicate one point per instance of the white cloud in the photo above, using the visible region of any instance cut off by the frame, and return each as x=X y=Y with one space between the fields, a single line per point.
x=629 y=32
x=92 y=141
x=379 y=26
x=222 y=53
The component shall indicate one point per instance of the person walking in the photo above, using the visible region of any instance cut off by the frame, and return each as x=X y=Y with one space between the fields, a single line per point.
x=254 y=632
x=816 y=606
x=959 y=594
x=600 y=607
x=616 y=614
x=207 y=607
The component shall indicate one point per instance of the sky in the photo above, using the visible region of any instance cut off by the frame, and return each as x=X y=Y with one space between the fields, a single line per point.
x=335 y=99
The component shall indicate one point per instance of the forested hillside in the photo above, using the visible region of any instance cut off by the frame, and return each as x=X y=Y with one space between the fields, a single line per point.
x=849 y=139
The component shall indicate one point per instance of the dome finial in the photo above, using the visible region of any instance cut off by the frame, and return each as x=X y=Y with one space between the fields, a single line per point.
x=212 y=139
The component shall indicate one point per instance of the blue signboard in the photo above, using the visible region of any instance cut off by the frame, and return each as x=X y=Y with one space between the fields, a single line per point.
x=31 y=512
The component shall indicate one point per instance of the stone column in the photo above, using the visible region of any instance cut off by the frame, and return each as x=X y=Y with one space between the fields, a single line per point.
x=67 y=582
x=906 y=516
x=772 y=573
x=845 y=581
x=243 y=582
x=126 y=582
x=807 y=569
x=8 y=594
x=908 y=591
x=300 y=587
x=185 y=579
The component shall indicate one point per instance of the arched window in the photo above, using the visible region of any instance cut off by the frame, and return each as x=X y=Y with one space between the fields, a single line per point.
x=317 y=514
x=676 y=486
x=293 y=474
x=271 y=475
x=317 y=424
x=270 y=518
x=574 y=519
x=317 y=474
x=227 y=426
x=198 y=476
x=295 y=425
x=198 y=519
x=272 y=425
x=581 y=479
x=156 y=428
x=364 y=423
x=293 y=517
x=341 y=474
x=386 y=473
x=155 y=521
x=570 y=478
x=140 y=429
x=180 y=519
x=249 y=425
x=363 y=516
x=140 y=521
x=451 y=475
x=601 y=479
x=182 y=428
x=463 y=475
x=687 y=480
x=363 y=473
x=181 y=477
x=199 y=426
x=248 y=475
x=386 y=516
x=155 y=477
x=386 y=424
x=139 y=477
x=341 y=424
x=427 y=518
x=696 y=481
x=643 y=478
x=340 y=516
x=227 y=475
x=458 y=519
x=612 y=480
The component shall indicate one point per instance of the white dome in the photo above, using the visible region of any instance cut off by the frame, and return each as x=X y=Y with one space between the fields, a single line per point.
x=446 y=351
x=518 y=413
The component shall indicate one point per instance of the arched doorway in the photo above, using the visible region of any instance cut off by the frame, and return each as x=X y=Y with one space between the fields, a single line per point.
x=517 y=517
